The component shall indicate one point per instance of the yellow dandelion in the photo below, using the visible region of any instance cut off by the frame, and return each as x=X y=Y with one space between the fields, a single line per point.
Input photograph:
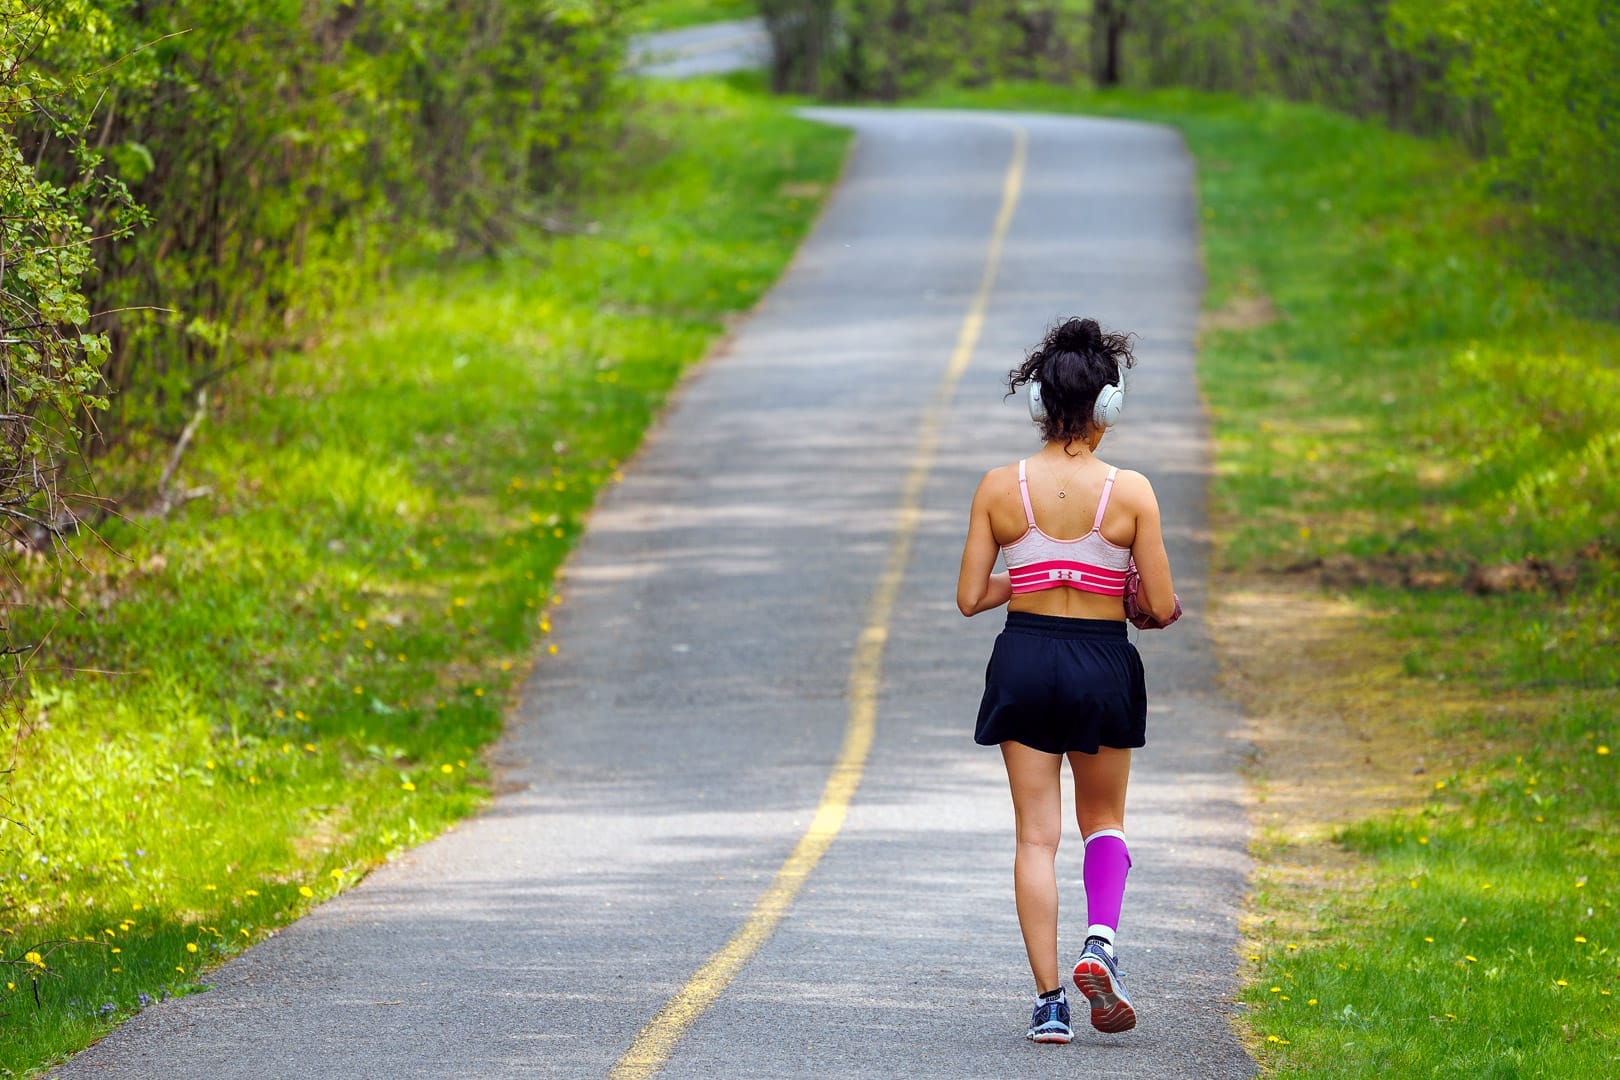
x=460 y=601
x=210 y=888
x=359 y=690
x=34 y=958
x=506 y=665
x=461 y=764
x=280 y=715
x=1603 y=751
x=116 y=949
x=408 y=786
x=135 y=907
x=337 y=875
x=116 y=970
x=1311 y=1002
x=245 y=932
x=1561 y=982
x=251 y=892
x=298 y=714
x=447 y=768
x=191 y=946
x=1292 y=948
x=1285 y=997
x=552 y=649
x=1271 y=1038
x=310 y=747
x=359 y=624
x=1276 y=989
x=1579 y=940
x=1423 y=839
x=1430 y=940
x=109 y=932
x=11 y=986
x=208 y=764
x=1439 y=785
x=1471 y=959
x=305 y=891
x=478 y=692
x=1486 y=885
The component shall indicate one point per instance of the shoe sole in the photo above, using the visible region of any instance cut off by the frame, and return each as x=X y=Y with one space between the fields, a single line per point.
x=1110 y=1012
x=1050 y=1036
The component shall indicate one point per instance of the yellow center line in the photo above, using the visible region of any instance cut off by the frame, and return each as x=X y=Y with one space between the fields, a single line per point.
x=656 y=1042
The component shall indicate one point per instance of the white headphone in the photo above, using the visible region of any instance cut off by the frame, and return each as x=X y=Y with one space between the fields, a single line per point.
x=1104 y=412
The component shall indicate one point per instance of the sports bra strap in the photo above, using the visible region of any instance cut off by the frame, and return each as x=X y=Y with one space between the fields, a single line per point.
x=1108 y=489
x=1023 y=489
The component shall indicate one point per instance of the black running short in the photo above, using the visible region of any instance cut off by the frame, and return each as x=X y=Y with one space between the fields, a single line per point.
x=1058 y=684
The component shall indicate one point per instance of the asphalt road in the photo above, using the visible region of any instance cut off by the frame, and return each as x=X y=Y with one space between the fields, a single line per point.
x=663 y=765
x=702 y=50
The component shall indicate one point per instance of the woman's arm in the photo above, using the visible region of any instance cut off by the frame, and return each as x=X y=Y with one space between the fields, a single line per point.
x=977 y=589
x=1158 y=593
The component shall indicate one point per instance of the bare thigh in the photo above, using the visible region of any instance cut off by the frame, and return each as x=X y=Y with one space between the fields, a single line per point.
x=1100 y=780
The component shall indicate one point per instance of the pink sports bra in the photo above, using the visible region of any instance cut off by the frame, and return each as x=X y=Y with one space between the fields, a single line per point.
x=1091 y=563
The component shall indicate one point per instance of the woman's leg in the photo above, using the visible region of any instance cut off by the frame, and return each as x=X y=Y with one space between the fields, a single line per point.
x=1099 y=805
x=1036 y=780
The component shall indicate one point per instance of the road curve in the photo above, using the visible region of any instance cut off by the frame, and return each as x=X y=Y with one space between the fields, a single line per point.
x=664 y=764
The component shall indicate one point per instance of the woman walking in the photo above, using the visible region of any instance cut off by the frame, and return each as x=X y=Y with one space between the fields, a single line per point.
x=1064 y=680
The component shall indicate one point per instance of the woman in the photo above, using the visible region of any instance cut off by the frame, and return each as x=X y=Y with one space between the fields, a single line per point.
x=1064 y=680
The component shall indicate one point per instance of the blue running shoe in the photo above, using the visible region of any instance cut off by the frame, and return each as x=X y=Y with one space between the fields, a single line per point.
x=1097 y=977
x=1050 y=1024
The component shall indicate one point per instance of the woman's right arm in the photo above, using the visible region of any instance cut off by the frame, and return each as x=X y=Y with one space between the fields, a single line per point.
x=1158 y=593
x=977 y=588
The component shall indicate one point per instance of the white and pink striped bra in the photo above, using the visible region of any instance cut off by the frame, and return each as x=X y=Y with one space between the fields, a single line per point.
x=1091 y=563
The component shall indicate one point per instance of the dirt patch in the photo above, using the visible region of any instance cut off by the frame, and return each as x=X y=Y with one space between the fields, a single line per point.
x=1339 y=733
x=802 y=189
x=1244 y=311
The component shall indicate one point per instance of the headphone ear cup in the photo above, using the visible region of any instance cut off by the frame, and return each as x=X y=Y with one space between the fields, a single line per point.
x=1110 y=403
x=1037 y=407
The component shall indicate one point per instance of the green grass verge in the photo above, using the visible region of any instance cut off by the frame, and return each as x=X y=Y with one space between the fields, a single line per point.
x=658 y=15
x=309 y=659
x=1403 y=408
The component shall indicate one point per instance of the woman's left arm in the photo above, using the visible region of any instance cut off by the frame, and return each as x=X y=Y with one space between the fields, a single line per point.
x=977 y=589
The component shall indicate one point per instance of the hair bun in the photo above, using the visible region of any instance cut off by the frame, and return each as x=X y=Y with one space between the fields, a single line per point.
x=1078 y=336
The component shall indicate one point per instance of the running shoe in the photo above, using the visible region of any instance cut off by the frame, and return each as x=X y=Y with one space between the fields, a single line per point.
x=1097 y=977
x=1050 y=1024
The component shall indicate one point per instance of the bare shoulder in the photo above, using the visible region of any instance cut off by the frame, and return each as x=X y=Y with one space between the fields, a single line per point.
x=999 y=479
x=1134 y=487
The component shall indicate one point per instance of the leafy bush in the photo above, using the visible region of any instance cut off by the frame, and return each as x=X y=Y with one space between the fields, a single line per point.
x=290 y=153
x=49 y=364
x=892 y=48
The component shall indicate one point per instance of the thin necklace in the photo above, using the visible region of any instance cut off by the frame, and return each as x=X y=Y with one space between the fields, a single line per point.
x=1063 y=484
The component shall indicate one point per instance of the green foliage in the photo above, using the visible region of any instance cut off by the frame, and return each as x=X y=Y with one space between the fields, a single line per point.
x=49 y=362
x=894 y=48
x=654 y=15
x=308 y=662
x=291 y=153
x=1549 y=76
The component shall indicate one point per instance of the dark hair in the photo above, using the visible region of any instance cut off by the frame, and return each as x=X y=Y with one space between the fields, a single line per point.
x=1072 y=363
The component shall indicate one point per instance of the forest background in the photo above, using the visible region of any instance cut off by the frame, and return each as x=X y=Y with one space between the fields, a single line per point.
x=203 y=199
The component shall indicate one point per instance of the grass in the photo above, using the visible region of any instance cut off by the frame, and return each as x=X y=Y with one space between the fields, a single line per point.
x=655 y=15
x=303 y=665
x=1409 y=416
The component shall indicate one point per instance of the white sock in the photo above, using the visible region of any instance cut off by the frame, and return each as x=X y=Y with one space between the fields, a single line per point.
x=1098 y=930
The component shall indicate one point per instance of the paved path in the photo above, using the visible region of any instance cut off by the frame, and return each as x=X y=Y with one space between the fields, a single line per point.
x=665 y=763
x=702 y=50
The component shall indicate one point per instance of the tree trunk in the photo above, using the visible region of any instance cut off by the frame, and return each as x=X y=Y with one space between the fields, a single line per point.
x=1108 y=19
